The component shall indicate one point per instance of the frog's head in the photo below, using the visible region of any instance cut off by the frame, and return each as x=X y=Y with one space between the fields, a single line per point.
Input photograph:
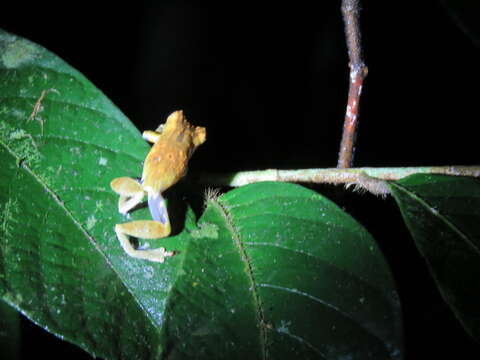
x=175 y=120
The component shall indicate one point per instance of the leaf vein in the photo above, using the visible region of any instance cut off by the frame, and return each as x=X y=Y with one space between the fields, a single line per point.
x=441 y=216
x=324 y=303
x=302 y=341
x=94 y=110
x=64 y=138
x=249 y=270
x=84 y=232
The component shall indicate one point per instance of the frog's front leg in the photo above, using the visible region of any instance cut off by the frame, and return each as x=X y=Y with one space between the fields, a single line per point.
x=144 y=229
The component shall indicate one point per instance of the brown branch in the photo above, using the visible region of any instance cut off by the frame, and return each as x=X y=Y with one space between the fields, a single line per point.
x=358 y=72
x=372 y=179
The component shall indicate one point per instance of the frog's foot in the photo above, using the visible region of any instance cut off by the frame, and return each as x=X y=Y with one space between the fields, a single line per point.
x=144 y=229
x=130 y=191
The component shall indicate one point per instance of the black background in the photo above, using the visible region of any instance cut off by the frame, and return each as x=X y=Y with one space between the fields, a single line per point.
x=269 y=82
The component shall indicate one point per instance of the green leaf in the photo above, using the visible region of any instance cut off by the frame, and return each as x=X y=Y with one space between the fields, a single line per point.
x=60 y=263
x=9 y=332
x=443 y=215
x=271 y=270
x=286 y=274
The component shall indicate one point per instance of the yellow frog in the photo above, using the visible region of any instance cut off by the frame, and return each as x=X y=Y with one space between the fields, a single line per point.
x=173 y=144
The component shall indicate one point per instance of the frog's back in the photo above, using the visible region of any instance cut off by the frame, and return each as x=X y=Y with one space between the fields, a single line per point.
x=164 y=166
x=167 y=161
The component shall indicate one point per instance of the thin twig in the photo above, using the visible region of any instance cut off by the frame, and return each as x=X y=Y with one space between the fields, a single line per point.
x=38 y=107
x=364 y=177
x=358 y=72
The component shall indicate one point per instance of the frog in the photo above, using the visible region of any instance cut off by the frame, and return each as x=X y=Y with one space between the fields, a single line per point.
x=174 y=142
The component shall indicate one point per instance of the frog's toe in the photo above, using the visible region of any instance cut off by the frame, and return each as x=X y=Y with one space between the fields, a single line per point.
x=158 y=255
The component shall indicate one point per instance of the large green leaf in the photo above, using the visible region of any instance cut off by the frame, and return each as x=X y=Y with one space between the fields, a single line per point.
x=443 y=215
x=288 y=274
x=60 y=263
x=271 y=271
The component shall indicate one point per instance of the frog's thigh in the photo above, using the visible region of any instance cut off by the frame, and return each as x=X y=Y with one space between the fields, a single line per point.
x=144 y=229
x=130 y=191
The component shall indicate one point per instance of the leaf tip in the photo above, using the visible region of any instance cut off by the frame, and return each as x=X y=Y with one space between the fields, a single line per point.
x=211 y=194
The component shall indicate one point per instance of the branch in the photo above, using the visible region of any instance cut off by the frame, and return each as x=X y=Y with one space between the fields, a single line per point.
x=358 y=72
x=370 y=179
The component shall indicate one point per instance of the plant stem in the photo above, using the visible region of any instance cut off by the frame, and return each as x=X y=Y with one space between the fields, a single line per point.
x=358 y=72
x=332 y=175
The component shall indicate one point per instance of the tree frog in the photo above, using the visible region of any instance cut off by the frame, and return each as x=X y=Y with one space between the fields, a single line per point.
x=173 y=144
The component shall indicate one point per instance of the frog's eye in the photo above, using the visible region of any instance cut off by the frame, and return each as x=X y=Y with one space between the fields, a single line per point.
x=158 y=208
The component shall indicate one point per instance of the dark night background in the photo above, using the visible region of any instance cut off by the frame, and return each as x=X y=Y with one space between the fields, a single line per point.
x=270 y=82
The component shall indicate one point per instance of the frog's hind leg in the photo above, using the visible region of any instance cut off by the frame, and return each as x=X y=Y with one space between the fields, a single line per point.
x=144 y=229
x=130 y=191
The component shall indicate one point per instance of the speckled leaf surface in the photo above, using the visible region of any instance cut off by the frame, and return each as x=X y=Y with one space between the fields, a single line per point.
x=271 y=270
x=285 y=274
x=60 y=263
x=443 y=216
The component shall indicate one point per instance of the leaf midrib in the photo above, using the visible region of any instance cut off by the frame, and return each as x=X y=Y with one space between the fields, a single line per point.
x=438 y=214
x=84 y=232
x=248 y=270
